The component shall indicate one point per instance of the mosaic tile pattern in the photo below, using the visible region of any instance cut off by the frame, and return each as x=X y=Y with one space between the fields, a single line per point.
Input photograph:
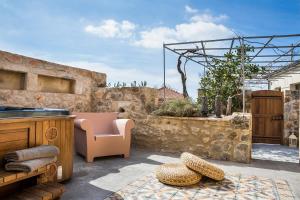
x=234 y=187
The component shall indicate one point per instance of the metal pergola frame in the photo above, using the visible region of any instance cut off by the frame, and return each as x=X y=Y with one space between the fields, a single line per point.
x=276 y=53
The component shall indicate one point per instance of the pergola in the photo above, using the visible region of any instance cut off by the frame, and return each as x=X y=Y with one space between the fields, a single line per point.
x=278 y=54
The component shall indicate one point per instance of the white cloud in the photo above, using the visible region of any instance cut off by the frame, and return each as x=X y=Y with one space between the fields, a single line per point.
x=155 y=37
x=191 y=10
x=206 y=17
x=200 y=27
x=112 y=29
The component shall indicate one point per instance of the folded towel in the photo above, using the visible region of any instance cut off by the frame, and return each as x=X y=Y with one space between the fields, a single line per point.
x=29 y=165
x=43 y=151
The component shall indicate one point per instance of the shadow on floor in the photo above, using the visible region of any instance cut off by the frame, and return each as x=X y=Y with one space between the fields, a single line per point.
x=85 y=183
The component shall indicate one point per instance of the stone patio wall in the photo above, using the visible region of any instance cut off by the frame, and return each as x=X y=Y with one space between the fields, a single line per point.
x=226 y=138
x=29 y=82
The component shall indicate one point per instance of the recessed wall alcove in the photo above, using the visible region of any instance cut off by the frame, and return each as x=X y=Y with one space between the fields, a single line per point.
x=55 y=84
x=12 y=80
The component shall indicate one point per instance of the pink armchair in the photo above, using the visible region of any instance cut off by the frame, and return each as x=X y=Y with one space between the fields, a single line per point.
x=102 y=134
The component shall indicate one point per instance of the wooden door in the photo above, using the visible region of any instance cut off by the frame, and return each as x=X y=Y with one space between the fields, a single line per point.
x=267 y=117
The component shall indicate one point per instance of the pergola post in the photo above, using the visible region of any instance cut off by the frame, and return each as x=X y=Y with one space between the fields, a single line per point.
x=164 y=61
x=243 y=71
x=269 y=84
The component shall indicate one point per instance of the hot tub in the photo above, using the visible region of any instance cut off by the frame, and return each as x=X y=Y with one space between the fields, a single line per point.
x=21 y=128
x=19 y=112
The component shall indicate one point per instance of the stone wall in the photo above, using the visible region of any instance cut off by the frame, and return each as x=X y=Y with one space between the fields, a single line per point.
x=291 y=114
x=29 y=93
x=132 y=102
x=223 y=139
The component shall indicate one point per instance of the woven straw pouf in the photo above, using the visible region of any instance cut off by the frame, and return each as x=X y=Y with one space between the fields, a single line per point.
x=177 y=174
x=203 y=167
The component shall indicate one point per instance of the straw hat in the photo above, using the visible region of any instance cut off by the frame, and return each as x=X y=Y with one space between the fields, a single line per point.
x=177 y=174
x=201 y=166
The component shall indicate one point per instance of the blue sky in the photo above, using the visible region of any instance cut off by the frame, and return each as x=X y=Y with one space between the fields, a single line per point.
x=124 y=38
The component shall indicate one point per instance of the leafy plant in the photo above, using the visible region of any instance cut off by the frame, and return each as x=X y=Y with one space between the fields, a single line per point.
x=133 y=84
x=224 y=77
x=117 y=85
x=123 y=84
x=178 y=108
x=143 y=84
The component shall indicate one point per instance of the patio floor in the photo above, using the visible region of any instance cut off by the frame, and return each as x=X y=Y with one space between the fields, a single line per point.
x=275 y=152
x=99 y=179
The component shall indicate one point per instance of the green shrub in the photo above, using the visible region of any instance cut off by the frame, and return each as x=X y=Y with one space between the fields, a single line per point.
x=177 y=108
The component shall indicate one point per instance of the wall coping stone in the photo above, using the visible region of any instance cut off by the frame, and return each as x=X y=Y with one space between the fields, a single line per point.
x=213 y=119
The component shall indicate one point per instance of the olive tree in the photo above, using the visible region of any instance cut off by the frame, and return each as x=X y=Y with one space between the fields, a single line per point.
x=225 y=77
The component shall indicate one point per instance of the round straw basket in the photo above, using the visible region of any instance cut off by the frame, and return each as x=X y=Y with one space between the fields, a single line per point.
x=201 y=166
x=177 y=174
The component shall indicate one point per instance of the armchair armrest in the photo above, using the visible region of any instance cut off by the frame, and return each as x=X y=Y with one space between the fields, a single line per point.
x=82 y=124
x=124 y=126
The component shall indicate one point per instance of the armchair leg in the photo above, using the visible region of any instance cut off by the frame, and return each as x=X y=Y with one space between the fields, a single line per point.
x=89 y=159
x=126 y=155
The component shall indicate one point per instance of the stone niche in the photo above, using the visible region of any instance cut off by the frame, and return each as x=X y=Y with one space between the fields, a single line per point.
x=12 y=80
x=55 y=84
x=227 y=138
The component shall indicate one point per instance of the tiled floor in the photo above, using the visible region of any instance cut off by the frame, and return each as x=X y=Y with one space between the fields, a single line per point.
x=233 y=187
x=110 y=174
x=275 y=152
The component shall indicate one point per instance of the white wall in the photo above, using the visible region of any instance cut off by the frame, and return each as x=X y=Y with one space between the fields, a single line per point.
x=286 y=82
